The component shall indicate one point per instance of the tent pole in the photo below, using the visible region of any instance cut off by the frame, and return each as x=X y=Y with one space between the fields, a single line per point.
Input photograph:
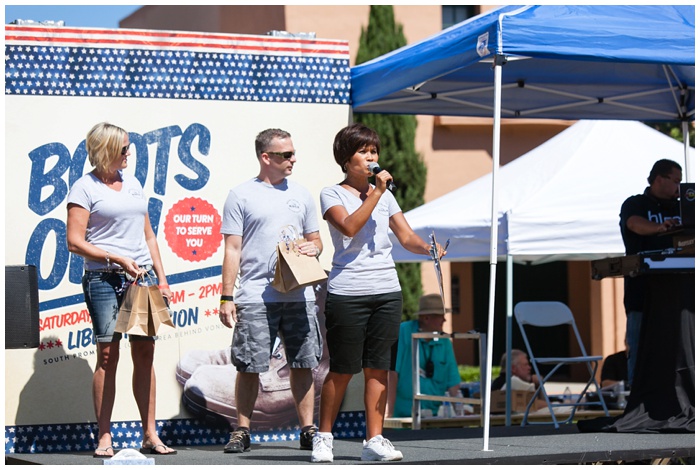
x=499 y=60
x=509 y=332
x=689 y=168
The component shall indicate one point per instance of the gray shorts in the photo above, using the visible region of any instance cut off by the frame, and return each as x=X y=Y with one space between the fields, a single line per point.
x=258 y=325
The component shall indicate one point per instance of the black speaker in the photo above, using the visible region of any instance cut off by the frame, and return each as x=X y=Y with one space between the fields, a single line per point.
x=21 y=307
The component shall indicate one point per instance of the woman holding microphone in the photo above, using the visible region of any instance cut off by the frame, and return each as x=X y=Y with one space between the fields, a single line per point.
x=364 y=301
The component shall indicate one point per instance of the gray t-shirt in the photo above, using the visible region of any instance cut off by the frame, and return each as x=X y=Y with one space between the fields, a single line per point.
x=117 y=218
x=264 y=215
x=362 y=265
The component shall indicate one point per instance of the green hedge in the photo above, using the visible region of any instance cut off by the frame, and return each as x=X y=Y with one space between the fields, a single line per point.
x=472 y=373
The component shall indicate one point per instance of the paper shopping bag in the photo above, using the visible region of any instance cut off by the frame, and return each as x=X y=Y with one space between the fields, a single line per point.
x=159 y=314
x=133 y=318
x=295 y=270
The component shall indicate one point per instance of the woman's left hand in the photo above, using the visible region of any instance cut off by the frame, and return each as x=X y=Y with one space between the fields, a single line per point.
x=440 y=251
x=165 y=292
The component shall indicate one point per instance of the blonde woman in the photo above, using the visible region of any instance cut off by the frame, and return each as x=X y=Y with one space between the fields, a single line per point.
x=108 y=226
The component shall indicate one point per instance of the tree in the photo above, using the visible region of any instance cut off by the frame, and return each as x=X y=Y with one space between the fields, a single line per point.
x=673 y=129
x=398 y=135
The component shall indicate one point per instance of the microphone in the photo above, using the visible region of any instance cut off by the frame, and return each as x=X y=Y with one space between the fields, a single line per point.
x=375 y=168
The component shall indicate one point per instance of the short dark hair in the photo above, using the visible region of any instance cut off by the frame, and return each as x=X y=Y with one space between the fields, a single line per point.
x=663 y=168
x=352 y=138
x=262 y=141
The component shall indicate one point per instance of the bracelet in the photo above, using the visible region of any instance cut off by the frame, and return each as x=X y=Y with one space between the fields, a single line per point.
x=226 y=298
x=163 y=286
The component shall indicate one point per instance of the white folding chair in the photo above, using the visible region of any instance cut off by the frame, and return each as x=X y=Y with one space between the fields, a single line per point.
x=551 y=314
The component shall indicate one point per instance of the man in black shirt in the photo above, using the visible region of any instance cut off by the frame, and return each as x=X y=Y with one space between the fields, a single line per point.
x=644 y=219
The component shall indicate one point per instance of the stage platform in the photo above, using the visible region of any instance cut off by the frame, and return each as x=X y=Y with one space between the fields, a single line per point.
x=507 y=445
x=496 y=419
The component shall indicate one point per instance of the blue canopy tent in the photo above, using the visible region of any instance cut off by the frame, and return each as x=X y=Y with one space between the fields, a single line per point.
x=563 y=62
x=541 y=61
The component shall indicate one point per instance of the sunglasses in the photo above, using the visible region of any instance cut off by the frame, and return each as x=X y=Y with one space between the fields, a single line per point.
x=125 y=149
x=285 y=155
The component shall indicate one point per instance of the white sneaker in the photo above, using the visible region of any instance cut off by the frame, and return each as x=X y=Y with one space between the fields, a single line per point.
x=379 y=448
x=322 y=447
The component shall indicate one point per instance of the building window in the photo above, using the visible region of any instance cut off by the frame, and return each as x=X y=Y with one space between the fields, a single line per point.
x=454 y=291
x=453 y=14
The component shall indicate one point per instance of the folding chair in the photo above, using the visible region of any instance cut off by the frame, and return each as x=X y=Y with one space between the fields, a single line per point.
x=550 y=314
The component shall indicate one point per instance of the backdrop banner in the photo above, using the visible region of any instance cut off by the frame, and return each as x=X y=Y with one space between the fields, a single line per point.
x=193 y=104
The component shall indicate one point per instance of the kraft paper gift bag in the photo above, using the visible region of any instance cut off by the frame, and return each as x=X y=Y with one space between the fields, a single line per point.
x=294 y=269
x=159 y=314
x=134 y=316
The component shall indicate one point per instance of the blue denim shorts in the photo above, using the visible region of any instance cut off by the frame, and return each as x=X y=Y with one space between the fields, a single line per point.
x=258 y=325
x=104 y=292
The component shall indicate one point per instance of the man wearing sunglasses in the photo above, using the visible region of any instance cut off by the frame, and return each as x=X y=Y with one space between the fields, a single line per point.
x=259 y=214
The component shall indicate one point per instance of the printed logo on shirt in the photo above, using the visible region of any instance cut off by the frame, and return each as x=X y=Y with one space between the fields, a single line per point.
x=294 y=205
x=659 y=217
x=136 y=193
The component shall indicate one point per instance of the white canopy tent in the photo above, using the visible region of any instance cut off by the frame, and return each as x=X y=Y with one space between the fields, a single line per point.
x=559 y=201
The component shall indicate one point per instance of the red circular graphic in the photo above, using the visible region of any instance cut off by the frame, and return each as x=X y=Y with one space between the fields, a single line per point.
x=193 y=229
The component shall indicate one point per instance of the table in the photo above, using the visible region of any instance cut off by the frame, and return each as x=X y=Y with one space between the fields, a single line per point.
x=418 y=396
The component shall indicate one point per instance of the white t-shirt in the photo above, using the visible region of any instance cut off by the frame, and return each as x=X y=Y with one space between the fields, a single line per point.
x=516 y=383
x=362 y=265
x=117 y=218
x=263 y=215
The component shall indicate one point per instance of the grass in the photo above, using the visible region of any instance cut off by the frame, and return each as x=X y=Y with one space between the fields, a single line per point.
x=473 y=374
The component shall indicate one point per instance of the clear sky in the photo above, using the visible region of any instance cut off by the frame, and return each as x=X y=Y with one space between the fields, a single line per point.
x=100 y=16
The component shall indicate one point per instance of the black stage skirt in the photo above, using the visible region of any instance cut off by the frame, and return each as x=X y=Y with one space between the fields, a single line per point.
x=662 y=398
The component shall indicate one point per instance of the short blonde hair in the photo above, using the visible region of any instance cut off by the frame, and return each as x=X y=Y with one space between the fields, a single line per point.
x=104 y=144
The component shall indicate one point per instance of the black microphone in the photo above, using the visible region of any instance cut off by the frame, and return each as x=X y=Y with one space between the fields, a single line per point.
x=375 y=168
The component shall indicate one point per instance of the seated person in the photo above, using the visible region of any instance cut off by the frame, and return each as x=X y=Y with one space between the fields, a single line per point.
x=614 y=369
x=501 y=379
x=438 y=366
x=522 y=377
x=519 y=368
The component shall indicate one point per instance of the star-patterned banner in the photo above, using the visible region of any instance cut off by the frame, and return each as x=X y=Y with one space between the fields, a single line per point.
x=77 y=62
x=51 y=438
